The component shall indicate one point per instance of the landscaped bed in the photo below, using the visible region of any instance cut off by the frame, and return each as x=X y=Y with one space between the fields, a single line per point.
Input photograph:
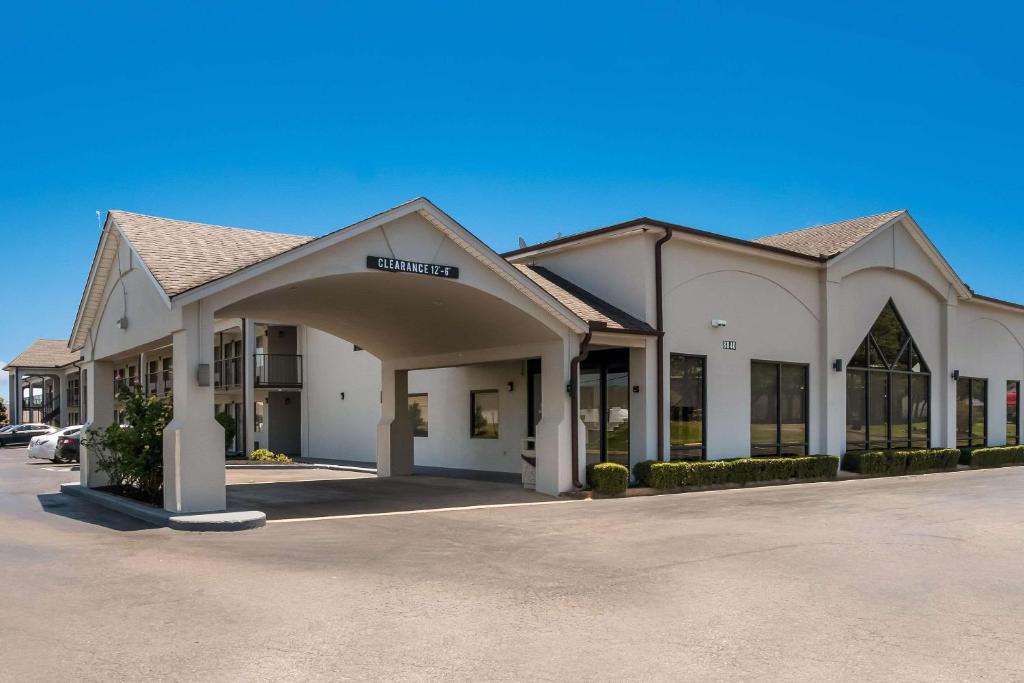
x=899 y=462
x=992 y=457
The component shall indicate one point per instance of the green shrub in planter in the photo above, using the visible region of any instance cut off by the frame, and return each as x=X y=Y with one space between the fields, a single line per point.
x=672 y=475
x=264 y=455
x=895 y=463
x=642 y=472
x=608 y=478
x=995 y=457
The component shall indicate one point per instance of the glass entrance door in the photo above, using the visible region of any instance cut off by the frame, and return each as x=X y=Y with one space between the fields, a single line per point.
x=604 y=405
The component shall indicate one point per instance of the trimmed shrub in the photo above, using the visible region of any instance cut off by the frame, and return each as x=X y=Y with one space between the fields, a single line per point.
x=895 y=463
x=227 y=421
x=264 y=455
x=642 y=472
x=608 y=478
x=673 y=475
x=995 y=457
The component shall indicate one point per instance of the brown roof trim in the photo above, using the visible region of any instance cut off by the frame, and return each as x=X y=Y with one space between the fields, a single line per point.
x=627 y=323
x=993 y=300
x=637 y=222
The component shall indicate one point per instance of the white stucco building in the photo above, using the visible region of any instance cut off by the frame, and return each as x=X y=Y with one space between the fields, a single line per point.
x=403 y=339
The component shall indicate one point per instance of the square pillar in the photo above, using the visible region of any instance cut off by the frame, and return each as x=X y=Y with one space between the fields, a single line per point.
x=99 y=406
x=554 y=432
x=394 y=431
x=194 y=475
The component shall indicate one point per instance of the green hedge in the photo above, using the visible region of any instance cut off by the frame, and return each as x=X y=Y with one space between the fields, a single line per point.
x=993 y=457
x=894 y=463
x=608 y=478
x=672 y=475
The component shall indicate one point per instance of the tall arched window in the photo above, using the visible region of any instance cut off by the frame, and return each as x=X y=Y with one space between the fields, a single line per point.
x=888 y=389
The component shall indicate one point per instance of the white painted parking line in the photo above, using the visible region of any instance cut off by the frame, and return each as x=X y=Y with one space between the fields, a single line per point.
x=422 y=512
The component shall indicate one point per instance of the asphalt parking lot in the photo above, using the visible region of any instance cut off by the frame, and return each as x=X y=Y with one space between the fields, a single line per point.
x=915 y=578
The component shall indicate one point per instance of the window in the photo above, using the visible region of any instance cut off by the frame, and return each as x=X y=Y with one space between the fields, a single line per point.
x=1012 y=413
x=888 y=389
x=778 y=409
x=152 y=376
x=484 y=414
x=168 y=370
x=418 y=414
x=687 y=403
x=258 y=417
x=971 y=412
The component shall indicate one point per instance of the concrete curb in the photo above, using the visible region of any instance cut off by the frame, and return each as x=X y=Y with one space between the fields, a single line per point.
x=211 y=521
x=303 y=466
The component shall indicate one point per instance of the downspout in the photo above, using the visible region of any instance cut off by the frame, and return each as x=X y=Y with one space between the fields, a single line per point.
x=659 y=313
x=574 y=375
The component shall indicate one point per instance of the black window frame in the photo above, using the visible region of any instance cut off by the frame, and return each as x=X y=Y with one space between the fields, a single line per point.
x=472 y=414
x=426 y=418
x=779 y=444
x=970 y=441
x=674 y=452
x=891 y=372
x=1015 y=383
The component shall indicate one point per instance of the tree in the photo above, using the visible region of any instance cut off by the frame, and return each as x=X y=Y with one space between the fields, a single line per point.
x=3 y=411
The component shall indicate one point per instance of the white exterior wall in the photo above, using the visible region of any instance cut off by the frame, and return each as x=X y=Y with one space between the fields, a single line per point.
x=336 y=428
x=448 y=443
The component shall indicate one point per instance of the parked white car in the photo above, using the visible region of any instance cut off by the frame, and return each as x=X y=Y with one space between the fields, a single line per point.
x=45 y=447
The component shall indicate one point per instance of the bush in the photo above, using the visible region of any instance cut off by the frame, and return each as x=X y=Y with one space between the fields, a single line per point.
x=642 y=472
x=673 y=475
x=227 y=421
x=895 y=463
x=131 y=454
x=994 y=457
x=608 y=478
x=264 y=455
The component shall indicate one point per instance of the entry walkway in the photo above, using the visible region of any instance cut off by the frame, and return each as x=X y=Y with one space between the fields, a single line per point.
x=304 y=494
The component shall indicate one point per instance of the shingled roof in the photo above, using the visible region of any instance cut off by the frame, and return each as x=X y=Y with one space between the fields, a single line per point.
x=182 y=255
x=587 y=306
x=45 y=353
x=831 y=239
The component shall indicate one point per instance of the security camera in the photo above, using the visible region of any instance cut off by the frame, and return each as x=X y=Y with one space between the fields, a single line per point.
x=718 y=323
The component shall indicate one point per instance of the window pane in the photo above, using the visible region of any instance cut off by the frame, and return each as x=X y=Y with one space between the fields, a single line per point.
x=764 y=409
x=485 y=414
x=963 y=411
x=617 y=430
x=900 y=406
x=418 y=414
x=920 y=408
x=590 y=412
x=979 y=409
x=794 y=405
x=856 y=420
x=1012 y=413
x=889 y=333
x=686 y=406
x=878 y=409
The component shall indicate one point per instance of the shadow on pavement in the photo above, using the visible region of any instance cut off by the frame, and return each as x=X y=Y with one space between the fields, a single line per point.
x=83 y=511
x=370 y=495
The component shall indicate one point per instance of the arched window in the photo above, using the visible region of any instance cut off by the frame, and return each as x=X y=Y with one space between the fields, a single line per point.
x=888 y=389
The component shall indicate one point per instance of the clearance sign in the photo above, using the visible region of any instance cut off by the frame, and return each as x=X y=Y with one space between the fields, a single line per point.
x=397 y=265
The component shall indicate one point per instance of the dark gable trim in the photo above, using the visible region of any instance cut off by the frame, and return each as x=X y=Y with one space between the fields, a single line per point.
x=637 y=222
x=993 y=300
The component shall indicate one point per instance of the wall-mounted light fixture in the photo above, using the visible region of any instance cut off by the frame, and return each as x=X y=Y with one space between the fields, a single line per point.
x=719 y=323
x=955 y=375
x=343 y=396
x=837 y=365
x=122 y=323
x=636 y=388
x=511 y=386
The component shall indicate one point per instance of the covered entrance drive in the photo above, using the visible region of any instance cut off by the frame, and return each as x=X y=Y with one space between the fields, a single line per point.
x=410 y=286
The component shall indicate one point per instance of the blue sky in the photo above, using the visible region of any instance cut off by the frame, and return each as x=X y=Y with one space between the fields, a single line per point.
x=522 y=119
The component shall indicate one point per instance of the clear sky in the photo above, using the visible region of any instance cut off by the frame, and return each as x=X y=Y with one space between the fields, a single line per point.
x=519 y=119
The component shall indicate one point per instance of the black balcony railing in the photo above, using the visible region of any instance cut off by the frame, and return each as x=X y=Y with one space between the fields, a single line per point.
x=125 y=384
x=277 y=370
x=227 y=373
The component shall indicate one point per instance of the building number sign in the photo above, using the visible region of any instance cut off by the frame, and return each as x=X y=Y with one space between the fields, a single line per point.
x=397 y=265
x=729 y=345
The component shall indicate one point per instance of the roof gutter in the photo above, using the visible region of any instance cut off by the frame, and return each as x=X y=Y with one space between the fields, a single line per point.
x=659 y=313
x=574 y=392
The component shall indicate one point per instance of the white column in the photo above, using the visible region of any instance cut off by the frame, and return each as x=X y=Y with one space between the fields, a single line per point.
x=99 y=400
x=14 y=405
x=62 y=387
x=831 y=405
x=943 y=386
x=249 y=378
x=194 y=479
x=554 y=433
x=394 y=431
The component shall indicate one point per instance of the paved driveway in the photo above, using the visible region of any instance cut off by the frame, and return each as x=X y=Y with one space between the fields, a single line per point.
x=916 y=578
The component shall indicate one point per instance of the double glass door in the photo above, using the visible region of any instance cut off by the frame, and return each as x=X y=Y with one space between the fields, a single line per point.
x=604 y=405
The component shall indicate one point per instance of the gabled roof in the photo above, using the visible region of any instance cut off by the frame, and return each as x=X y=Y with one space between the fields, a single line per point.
x=182 y=254
x=831 y=239
x=45 y=353
x=596 y=311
